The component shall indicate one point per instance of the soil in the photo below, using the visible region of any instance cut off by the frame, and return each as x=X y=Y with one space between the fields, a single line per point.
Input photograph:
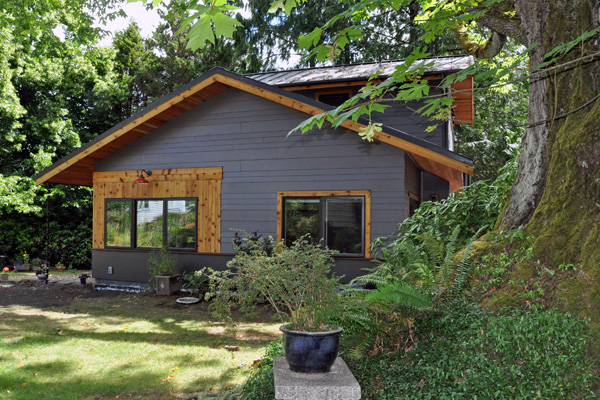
x=27 y=290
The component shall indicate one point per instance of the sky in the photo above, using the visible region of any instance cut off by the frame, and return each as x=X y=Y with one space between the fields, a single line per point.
x=147 y=20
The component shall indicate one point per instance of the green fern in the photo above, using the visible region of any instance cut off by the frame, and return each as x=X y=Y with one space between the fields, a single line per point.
x=400 y=293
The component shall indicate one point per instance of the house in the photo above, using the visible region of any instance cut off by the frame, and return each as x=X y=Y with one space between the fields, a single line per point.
x=220 y=160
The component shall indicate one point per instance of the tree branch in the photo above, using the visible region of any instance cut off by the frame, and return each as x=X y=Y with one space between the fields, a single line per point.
x=488 y=50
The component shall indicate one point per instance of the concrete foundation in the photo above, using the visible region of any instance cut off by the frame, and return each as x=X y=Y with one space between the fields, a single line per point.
x=338 y=384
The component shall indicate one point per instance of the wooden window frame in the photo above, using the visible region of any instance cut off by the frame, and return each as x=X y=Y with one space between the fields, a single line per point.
x=366 y=194
x=165 y=202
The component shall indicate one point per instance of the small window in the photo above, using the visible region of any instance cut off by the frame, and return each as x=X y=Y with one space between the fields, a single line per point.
x=337 y=220
x=334 y=99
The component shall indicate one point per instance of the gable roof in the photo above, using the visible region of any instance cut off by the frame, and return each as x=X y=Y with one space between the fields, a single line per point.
x=77 y=168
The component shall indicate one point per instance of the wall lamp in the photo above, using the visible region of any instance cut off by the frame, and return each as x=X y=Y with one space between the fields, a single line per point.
x=141 y=180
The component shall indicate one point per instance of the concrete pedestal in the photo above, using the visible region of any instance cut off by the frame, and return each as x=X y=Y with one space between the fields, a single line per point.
x=338 y=384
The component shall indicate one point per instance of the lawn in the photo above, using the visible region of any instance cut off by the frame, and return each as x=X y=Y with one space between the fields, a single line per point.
x=126 y=346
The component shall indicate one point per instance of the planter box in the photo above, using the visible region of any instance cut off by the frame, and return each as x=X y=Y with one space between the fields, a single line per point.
x=167 y=285
x=22 y=267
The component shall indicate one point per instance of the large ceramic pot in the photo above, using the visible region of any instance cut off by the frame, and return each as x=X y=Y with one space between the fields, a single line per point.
x=310 y=352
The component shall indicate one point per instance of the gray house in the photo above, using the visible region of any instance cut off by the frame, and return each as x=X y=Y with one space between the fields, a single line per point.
x=220 y=160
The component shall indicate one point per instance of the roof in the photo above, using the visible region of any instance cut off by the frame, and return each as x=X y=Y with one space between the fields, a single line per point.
x=355 y=71
x=77 y=168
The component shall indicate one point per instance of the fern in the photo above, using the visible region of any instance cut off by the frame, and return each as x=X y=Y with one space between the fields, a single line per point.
x=400 y=293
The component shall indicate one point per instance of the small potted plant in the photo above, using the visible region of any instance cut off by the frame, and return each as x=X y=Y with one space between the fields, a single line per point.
x=42 y=273
x=296 y=282
x=60 y=267
x=163 y=269
x=83 y=278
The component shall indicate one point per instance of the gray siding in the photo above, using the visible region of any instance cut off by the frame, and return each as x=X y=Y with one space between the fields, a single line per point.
x=399 y=116
x=434 y=185
x=246 y=135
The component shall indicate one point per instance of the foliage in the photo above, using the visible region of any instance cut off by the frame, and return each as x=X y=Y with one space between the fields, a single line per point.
x=161 y=263
x=475 y=208
x=468 y=353
x=411 y=278
x=260 y=384
x=254 y=242
x=196 y=281
x=294 y=281
x=500 y=108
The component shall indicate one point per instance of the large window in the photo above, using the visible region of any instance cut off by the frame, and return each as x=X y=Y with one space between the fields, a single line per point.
x=337 y=220
x=156 y=223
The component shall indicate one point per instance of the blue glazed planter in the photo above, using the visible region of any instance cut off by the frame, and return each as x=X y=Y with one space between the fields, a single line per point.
x=310 y=352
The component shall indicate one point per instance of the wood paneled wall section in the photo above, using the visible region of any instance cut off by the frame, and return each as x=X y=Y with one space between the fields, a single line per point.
x=201 y=183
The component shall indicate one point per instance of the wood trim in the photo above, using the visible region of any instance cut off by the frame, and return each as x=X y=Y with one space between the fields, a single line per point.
x=462 y=92
x=328 y=193
x=413 y=196
x=201 y=183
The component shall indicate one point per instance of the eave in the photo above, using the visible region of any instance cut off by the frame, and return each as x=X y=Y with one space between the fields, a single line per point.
x=77 y=168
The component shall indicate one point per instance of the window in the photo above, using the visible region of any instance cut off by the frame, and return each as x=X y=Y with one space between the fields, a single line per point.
x=340 y=221
x=118 y=223
x=333 y=98
x=156 y=223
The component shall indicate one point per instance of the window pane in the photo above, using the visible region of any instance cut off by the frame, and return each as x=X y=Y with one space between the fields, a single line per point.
x=344 y=227
x=118 y=223
x=149 y=230
x=302 y=216
x=181 y=224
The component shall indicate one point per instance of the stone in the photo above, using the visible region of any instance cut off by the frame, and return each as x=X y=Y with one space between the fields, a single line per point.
x=337 y=384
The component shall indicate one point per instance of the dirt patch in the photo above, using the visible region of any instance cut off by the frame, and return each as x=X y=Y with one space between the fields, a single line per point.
x=58 y=291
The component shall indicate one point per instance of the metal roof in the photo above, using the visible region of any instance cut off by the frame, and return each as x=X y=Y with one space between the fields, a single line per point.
x=355 y=71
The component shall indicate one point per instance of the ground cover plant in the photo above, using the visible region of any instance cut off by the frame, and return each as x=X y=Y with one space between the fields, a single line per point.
x=123 y=346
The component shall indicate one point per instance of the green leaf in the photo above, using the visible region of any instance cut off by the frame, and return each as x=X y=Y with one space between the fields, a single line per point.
x=225 y=25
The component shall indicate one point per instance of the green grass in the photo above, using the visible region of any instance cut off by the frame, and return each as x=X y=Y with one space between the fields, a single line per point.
x=135 y=346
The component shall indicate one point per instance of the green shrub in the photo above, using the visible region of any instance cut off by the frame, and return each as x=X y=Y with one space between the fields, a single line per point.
x=260 y=385
x=475 y=208
x=468 y=353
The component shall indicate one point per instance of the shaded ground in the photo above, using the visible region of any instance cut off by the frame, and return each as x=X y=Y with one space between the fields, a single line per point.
x=29 y=291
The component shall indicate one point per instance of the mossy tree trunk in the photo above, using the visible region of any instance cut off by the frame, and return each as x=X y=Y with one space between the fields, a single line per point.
x=556 y=194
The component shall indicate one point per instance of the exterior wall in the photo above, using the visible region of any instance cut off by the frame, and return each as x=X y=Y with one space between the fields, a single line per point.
x=131 y=266
x=246 y=136
x=434 y=185
x=399 y=115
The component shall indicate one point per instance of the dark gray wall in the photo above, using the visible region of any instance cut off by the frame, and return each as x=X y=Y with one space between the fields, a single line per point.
x=246 y=135
x=434 y=185
x=129 y=266
x=399 y=115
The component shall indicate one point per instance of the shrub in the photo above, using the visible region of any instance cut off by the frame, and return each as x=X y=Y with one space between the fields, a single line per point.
x=161 y=263
x=294 y=280
x=260 y=385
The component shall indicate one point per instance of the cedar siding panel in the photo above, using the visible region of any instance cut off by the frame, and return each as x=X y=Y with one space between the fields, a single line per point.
x=247 y=137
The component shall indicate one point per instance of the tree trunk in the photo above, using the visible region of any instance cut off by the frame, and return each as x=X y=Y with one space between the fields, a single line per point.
x=556 y=194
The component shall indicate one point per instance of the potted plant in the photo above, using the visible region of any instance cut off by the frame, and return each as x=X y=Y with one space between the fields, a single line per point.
x=60 y=267
x=163 y=269
x=83 y=278
x=42 y=273
x=22 y=263
x=296 y=282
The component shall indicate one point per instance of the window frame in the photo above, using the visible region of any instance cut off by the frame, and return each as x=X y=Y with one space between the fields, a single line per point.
x=322 y=196
x=320 y=93
x=165 y=224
